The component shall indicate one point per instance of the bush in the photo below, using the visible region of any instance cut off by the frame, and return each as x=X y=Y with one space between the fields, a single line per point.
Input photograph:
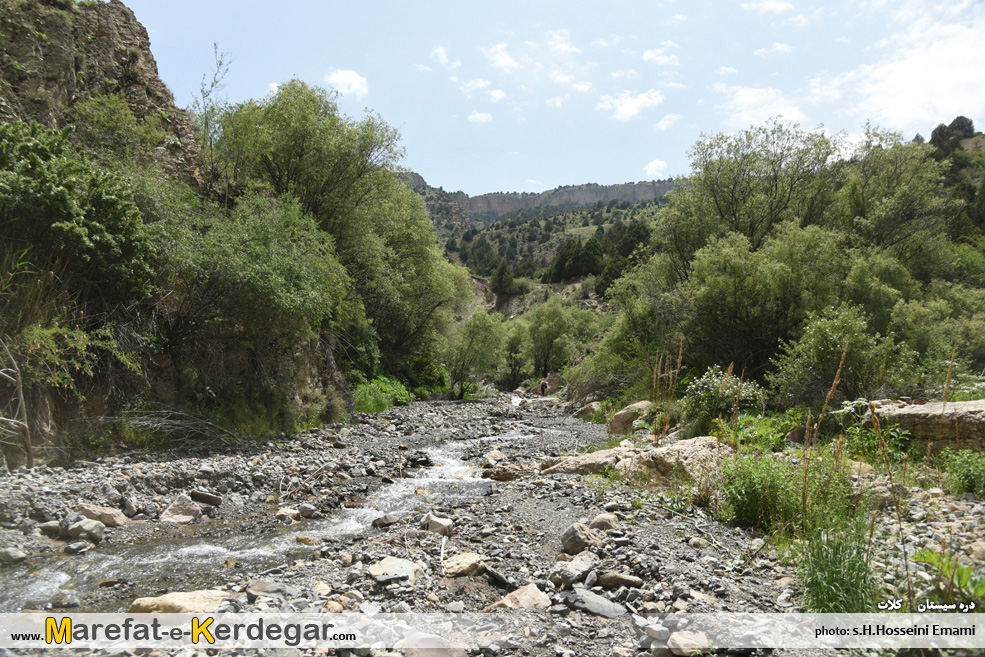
x=965 y=470
x=873 y=364
x=719 y=393
x=760 y=492
x=380 y=394
x=864 y=442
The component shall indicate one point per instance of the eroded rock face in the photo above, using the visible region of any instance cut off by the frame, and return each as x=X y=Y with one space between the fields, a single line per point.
x=53 y=58
x=938 y=424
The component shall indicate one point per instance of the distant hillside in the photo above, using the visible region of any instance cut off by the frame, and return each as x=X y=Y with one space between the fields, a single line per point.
x=453 y=211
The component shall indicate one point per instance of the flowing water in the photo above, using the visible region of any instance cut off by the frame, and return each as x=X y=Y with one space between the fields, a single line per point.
x=198 y=560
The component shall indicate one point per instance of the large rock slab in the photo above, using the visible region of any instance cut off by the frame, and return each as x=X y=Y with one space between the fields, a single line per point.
x=593 y=603
x=591 y=463
x=622 y=422
x=696 y=459
x=184 y=602
x=527 y=597
x=182 y=510
x=937 y=423
x=460 y=565
x=391 y=568
x=89 y=529
x=104 y=514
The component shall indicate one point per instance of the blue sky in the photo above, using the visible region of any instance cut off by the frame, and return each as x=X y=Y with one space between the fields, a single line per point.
x=526 y=96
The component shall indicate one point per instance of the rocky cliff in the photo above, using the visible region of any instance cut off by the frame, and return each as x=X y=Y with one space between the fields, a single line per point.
x=54 y=53
x=489 y=207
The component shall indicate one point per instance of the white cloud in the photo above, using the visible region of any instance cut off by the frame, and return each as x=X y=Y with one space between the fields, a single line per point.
x=746 y=106
x=582 y=87
x=664 y=124
x=775 y=49
x=440 y=55
x=531 y=181
x=273 y=87
x=916 y=78
x=727 y=70
x=558 y=101
x=561 y=78
x=499 y=57
x=602 y=43
x=480 y=117
x=474 y=85
x=560 y=42
x=348 y=82
x=673 y=85
x=768 y=6
x=496 y=95
x=661 y=57
x=655 y=168
x=676 y=19
x=422 y=67
x=626 y=105
x=625 y=74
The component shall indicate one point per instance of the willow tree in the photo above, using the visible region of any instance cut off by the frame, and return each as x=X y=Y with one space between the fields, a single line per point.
x=344 y=173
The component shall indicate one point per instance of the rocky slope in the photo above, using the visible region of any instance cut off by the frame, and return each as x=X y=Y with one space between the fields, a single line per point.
x=55 y=53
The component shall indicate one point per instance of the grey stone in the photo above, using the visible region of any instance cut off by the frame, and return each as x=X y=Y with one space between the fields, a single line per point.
x=577 y=537
x=593 y=603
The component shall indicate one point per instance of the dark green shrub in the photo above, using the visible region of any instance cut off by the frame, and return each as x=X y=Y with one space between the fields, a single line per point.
x=380 y=394
x=965 y=470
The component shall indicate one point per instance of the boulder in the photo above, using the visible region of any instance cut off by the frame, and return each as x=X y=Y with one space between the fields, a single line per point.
x=588 y=409
x=263 y=589
x=696 y=459
x=391 y=568
x=591 y=463
x=622 y=422
x=91 y=530
x=507 y=472
x=613 y=580
x=565 y=574
x=593 y=603
x=938 y=424
x=12 y=555
x=578 y=537
x=287 y=513
x=185 y=602
x=182 y=510
x=688 y=643
x=206 y=497
x=467 y=563
x=527 y=597
x=604 y=522
x=104 y=514
x=433 y=523
x=385 y=521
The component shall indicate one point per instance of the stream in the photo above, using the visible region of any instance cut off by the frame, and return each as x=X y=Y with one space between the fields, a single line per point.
x=198 y=560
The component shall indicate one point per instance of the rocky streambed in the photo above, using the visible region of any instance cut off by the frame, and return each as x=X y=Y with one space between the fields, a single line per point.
x=433 y=507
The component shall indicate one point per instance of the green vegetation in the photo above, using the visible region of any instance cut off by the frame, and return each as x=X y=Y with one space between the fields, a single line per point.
x=380 y=394
x=965 y=470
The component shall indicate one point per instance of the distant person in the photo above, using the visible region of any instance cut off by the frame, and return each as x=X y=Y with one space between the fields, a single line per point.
x=543 y=386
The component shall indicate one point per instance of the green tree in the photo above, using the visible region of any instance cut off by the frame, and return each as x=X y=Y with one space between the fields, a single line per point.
x=556 y=332
x=502 y=281
x=474 y=351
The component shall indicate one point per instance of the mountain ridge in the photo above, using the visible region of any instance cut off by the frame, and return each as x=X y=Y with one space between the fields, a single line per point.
x=486 y=208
